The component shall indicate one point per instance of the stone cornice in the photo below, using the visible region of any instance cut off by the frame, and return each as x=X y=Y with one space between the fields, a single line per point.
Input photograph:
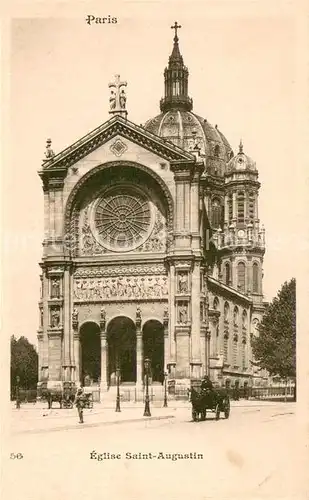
x=113 y=127
x=228 y=291
x=55 y=332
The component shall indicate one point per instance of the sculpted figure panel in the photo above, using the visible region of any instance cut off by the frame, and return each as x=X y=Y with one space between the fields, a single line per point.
x=121 y=288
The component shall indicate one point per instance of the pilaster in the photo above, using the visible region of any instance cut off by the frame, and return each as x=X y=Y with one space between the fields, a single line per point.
x=54 y=353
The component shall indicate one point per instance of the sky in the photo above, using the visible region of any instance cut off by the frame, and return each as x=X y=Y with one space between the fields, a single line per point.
x=244 y=77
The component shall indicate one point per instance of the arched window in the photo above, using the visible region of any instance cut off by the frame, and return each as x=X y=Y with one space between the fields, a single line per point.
x=244 y=319
x=217 y=150
x=241 y=276
x=227 y=274
x=216 y=304
x=216 y=212
x=241 y=206
x=226 y=311
x=255 y=277
x=236 y=315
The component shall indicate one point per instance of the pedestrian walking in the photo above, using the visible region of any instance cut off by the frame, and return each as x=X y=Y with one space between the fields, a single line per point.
x=79 y=402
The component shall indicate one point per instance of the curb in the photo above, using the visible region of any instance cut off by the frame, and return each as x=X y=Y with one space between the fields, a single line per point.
x=94 y=424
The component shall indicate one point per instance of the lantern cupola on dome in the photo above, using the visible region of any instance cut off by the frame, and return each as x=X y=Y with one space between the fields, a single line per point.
x=176 y=80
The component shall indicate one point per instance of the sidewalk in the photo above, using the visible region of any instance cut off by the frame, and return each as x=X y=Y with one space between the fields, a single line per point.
x=42 y=420
x=36 y=418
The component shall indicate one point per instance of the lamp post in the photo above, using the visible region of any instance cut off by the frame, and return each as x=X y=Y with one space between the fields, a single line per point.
x=17 y=393
x=118 y=393
x=147 y=408
x=165 y=390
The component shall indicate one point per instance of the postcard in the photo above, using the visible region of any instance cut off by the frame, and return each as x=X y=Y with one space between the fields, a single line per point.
x=154 y=251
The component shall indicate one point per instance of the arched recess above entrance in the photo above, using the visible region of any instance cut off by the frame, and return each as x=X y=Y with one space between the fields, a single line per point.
x=87 y=321
x=126 y=170
x=153 y=348
x=90 y=346
x=121 y=341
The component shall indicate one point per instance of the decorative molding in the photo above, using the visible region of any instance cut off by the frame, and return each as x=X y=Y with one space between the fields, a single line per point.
x=120 y=270
x=118 y=147
x=116 y=126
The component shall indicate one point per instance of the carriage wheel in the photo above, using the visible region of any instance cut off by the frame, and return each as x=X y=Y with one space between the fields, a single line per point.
x=203 y=415
x=227 y=410
x=217 y=412
x=194 y=415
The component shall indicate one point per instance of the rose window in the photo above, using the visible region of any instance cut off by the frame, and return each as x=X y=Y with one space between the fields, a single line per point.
x=123 y=219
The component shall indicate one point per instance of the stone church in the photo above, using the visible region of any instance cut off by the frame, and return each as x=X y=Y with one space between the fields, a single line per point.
x=152 y=248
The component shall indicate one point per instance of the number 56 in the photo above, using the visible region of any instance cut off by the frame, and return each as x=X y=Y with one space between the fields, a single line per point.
x=17 y=456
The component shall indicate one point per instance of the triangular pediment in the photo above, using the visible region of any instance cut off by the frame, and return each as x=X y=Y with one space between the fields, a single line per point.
x=114 y=127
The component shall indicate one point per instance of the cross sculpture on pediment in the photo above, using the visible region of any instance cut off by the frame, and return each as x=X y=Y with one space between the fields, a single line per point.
x=118 y=97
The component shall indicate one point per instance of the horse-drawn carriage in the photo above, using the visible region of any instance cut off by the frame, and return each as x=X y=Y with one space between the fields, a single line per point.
x=61 y=392
x=213 y=399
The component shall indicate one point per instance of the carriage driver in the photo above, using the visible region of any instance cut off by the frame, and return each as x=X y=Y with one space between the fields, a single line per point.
x=206 y=383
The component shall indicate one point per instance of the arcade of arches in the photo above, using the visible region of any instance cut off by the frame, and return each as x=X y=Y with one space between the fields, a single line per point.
x=121 y=352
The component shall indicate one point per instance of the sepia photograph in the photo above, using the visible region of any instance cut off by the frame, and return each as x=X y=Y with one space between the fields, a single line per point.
x=152 y=208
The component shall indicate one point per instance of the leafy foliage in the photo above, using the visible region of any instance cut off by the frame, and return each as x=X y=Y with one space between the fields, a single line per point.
x=275 y=347
x=24 y=363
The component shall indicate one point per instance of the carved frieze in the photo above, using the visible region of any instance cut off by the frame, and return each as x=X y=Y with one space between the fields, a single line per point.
x=115 y=271
x=121 y=288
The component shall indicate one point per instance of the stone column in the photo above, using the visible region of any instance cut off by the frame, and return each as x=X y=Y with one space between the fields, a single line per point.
x=207 y=350
x=139 y=349
x=172 y=320
x=103 y=350
x=195 y=360
x=234 y=205
x=226 y=209
x=76 y=341
x=166 y=338
x=195 y=209
x=103 y=361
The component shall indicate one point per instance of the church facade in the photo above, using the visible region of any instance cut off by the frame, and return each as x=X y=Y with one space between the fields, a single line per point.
x=152 y=249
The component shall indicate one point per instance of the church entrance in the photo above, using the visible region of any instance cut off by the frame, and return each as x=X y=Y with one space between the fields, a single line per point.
x=153 y=341
x=121 y=338
x=90 y=353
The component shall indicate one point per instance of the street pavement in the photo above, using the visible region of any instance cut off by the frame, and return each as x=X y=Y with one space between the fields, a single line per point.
x=259 y=452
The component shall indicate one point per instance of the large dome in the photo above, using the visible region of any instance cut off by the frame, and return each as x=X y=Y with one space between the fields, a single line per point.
x=179 y=125
x=185 y=129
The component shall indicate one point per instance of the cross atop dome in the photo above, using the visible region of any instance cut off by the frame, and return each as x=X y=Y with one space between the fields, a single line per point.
x=176 y=27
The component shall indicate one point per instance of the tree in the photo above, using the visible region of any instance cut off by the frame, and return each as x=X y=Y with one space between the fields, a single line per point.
x=275 y=347
x=24 y=363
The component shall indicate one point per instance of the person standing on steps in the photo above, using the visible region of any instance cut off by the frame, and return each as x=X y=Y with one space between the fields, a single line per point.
x=79 y=402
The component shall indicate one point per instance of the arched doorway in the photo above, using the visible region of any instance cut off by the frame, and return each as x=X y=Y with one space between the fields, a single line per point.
x=90 y=353
x=153 y=343
x=121 y=338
